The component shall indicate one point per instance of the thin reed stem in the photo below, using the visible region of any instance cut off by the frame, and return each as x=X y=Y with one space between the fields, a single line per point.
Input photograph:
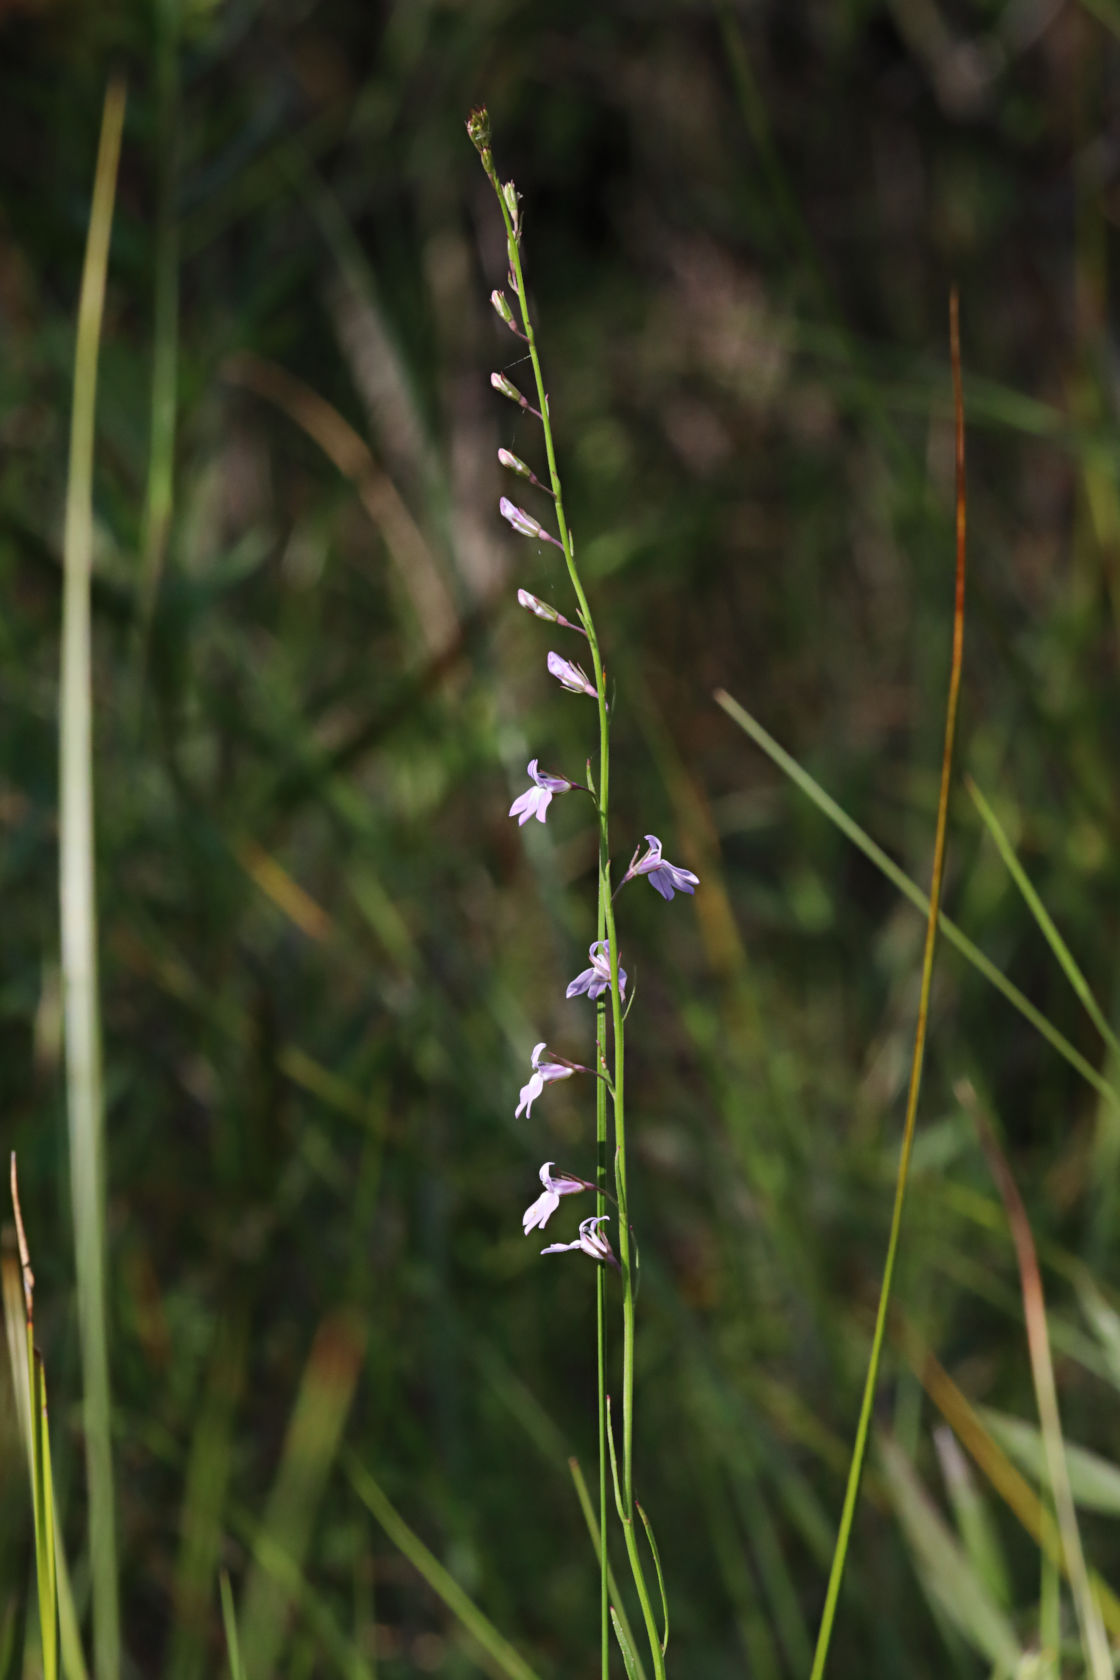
x=863 y=1429
x=78 y=907
x=159 y=492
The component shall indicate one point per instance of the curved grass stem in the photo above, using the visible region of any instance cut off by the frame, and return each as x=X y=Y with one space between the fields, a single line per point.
x=863 y=1428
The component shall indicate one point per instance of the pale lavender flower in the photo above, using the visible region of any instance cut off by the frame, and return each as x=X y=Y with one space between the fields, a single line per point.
x=534 y=802
x=570 y=676
x=548 y=1201
x=544 y=1073
x=522 y=522
x=535 y=605
x=597 y=978
x=592 y=1241
x=665 y=878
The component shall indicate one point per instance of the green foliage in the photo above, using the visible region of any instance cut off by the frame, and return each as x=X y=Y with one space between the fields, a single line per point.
x=324 y=952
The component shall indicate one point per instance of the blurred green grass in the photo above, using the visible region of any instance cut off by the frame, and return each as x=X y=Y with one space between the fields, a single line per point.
x=325 y=950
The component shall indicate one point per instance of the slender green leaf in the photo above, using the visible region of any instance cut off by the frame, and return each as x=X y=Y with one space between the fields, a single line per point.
x=441 y=1582
x=310 y=1446
x=629 y=1657
x=585 y=1506
x=1038 y=910
x=229 y=1622
x=944 y=1567
x=909 y=889
x=1094 y=1481
x=660 y=1578
x=78 y=906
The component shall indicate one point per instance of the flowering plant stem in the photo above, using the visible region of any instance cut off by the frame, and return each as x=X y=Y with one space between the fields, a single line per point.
x=605 y=924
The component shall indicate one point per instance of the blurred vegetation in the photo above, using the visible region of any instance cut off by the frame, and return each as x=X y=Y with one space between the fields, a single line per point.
x=327 y=952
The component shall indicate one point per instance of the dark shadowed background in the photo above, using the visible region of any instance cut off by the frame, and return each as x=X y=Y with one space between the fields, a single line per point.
x=327 y=951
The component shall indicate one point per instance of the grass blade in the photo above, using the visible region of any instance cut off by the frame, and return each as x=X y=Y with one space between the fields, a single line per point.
x=318 y=1418
x=660 y=1578
x=629 y=1656
x=863 y=1428
x=589 y=1518
x=974 y=1524
x=29 y=1384
x=1012 y=1487
x=1038 y=910
x=206 y=1484
x=443 y=1584
x=1093 y=1637
x=1094 y=1481
x=79 y=910
x=229 y=1622
x=910 y=889
x=945 y=1569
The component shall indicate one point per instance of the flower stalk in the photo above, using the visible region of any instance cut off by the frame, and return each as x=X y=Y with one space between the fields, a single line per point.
x=605 y=981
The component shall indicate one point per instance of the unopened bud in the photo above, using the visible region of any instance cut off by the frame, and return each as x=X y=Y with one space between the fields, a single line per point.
x=522 y=522
x=514 y=464
x=508 y=389
x=540 y=609
x=513 y=199
x=500 y=305
x=478 y=128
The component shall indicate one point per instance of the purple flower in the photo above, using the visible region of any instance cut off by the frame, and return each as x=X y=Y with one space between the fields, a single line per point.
x=534 y=802
x=570 y=676
x=597 y=978
x=592 y=1241
x=548 y=1201
x=537 y=606
x=522 y=522
x=543 y=1074
x=665 y=878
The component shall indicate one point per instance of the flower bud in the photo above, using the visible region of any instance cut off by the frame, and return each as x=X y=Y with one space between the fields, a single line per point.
x=508 y=389
x=522 y=522
x=514 y=464
x=478 y=128
x=541 y=609
x=513 y=199
x=502 y=309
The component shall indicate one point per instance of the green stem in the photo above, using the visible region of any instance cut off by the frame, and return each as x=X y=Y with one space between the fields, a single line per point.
x=601 y=1351
x=863 y=1429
